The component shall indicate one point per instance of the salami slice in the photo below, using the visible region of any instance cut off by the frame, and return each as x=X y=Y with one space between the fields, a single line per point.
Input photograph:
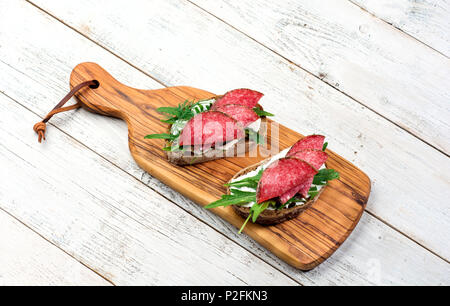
x=289 y=194
x=209 y=128
x=282 y=176
x=241 y=113
x=316 y=159
x=314 y=142
x=245 y=97
x=303 y=190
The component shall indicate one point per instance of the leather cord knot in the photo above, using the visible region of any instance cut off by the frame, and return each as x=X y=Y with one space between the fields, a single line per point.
x=41 y=127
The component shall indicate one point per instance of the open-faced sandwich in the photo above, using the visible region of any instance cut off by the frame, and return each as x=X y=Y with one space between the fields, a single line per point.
x=214 y=128
x=281 y=187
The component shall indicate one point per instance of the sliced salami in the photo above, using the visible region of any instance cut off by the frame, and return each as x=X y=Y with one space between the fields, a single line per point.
x=282 y=176
x=313 y=142
x=209 y=128
x=241 y=113
x=289 y=194
x=316 y=159
x=245 y=97
x=304 y=188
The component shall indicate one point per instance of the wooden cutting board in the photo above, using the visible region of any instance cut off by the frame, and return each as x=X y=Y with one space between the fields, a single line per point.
x=304 y=242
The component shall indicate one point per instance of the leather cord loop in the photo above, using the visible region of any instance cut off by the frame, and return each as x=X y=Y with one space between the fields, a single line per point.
x=41 y=126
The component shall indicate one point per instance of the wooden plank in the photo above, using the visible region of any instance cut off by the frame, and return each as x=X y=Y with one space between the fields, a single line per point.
x=426 y=20
x=28 y=260
x=353 y=52
x=110 y=221
x=407 y=174
x=35 y=71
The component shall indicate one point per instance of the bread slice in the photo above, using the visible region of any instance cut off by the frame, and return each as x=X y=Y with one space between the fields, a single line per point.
x=271 y=217
x=183 y=158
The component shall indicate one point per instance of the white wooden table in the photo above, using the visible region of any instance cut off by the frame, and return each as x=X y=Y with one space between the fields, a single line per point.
x=371 y=75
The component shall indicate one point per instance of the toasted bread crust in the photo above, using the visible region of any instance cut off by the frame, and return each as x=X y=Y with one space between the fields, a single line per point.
x=270 y=217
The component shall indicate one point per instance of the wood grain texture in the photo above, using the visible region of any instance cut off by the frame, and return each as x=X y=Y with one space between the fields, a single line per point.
x=109 y=221
x=303 y=242
x=167 y=49
x=426 y=20
x=355 y=53
x=26 y=259
x=35 y=71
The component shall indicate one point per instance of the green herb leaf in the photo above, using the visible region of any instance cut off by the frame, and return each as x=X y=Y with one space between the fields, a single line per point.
x=325 y=145
x=243 y=183
x=169 y=121
x=251 y=182
x=169 y=110
x=228 y=200
x=257 y=209
x=312 y=194
x=161 y=136
x=262 y=113
x=173 y=149
x=184 y=111
x=245 y=223
x=325 y=175
x=254 y=136
x=237 y=192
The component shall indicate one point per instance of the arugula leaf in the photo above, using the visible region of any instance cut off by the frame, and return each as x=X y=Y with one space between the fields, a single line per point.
x=262 y=113
x=251 y=182
x=255 y=211
x=169 y=121
x=312 y=194
x=228 y=200
x=172 y=148
x=184 y=111
x=313 y=188
x=254 y=136
x=161 y=136
x=237 y=192
x=245 y=223
x=325 y=175
x=169 y=110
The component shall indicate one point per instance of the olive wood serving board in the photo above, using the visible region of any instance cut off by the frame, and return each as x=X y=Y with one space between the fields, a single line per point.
x=303 y=242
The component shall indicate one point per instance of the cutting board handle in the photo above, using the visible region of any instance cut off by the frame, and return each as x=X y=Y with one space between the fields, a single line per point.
x=110 y=98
